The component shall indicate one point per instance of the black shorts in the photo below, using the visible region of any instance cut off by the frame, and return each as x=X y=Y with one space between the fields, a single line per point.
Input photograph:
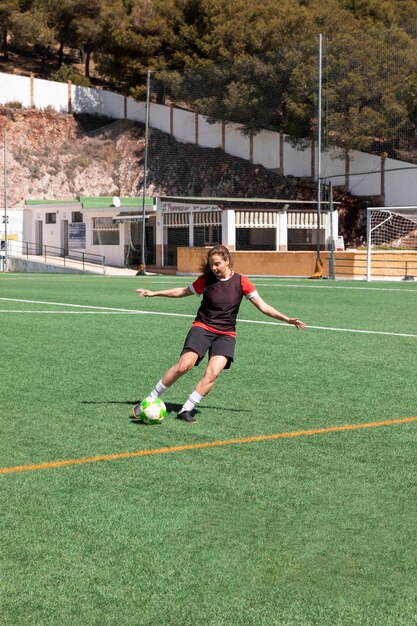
x=201 y=341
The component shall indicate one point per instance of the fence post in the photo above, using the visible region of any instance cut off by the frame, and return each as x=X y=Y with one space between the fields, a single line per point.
x=347 y=169
x=313 y=159
x=171 y=119
x=196 y=128
x=69 y=97
x=382 y=188
x=32 y=90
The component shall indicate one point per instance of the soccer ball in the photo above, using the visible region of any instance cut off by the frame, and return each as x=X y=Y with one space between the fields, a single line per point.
x=151 y=411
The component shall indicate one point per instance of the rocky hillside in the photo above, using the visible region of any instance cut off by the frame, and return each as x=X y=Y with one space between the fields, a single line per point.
x=54 y=156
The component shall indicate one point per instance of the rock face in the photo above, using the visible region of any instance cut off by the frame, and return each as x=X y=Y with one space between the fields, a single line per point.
x=54 y=156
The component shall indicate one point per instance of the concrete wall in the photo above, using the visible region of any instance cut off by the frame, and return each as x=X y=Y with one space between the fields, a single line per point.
x=253 y=263
x=209 y=135
x=15 y=89
x=349 y=265
x=18 y=264
x=397 y=186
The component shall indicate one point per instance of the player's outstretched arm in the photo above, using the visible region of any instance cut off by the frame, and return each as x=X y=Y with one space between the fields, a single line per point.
x=269 y=310
x=176 y=292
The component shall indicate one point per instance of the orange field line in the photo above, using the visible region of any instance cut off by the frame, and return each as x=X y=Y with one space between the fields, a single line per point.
x=199 y=446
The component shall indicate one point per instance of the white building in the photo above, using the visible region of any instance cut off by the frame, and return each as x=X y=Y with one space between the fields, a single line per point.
x=97 y=227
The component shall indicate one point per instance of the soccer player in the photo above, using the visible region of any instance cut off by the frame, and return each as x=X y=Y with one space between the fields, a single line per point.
x=214 y=328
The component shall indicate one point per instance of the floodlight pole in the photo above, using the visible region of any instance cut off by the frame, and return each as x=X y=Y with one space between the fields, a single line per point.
x=319 y=145
x=148 y=89
x=5 y=259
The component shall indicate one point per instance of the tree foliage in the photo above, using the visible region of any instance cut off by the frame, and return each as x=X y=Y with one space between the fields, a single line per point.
x=253 y=64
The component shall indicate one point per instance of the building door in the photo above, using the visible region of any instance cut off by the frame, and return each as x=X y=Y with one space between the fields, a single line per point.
x=64 y=237
x=38 y=237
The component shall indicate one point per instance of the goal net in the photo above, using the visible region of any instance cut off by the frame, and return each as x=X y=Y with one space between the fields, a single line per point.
x=391 y=243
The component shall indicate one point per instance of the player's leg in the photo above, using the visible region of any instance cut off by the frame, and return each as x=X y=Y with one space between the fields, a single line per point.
x=186 y=362
x=194 y=349
x=214 y=367
x=221 y=353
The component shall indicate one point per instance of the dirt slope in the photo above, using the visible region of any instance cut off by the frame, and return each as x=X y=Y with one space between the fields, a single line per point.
x=54 y=156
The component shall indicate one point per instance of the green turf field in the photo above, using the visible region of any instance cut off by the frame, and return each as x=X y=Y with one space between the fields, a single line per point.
x=313 y=529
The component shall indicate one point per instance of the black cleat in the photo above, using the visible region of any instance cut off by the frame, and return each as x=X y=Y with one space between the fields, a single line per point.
x=186 y=417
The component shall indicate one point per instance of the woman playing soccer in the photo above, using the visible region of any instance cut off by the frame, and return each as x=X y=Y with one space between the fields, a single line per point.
x=214 y=328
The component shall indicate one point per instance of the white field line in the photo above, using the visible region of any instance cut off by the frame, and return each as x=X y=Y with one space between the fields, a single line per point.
x=97 y=308
x=80 y=312
x=314 y=286
x=114 y=311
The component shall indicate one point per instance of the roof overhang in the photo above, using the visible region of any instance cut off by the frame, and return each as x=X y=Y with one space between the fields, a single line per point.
x=276 y=204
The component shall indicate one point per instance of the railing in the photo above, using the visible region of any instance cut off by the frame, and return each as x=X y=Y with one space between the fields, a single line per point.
x=28 y=248
x=385 y=267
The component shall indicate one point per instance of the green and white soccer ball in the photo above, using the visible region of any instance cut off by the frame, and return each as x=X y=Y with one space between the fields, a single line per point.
x=152 y=411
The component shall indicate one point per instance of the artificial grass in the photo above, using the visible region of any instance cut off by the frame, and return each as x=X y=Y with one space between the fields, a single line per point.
x=313 y=530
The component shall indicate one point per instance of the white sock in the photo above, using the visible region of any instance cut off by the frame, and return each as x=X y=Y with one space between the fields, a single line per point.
x=193 y=399
x=159 y=390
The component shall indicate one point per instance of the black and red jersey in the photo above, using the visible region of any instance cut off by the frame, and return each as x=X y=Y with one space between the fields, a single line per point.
x=221 y=301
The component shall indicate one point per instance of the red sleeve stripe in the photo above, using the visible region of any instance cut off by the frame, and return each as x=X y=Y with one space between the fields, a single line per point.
x=248 y=288
x=198 y=285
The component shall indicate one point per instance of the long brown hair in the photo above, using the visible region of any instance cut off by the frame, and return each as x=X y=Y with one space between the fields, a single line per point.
x=219 y=249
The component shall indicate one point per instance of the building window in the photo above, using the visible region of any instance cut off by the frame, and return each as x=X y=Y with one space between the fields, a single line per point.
x=50 y=218
x=255 y=238
x=105 y=232
x=76 y=217
x=207 y=235
x=301 y=239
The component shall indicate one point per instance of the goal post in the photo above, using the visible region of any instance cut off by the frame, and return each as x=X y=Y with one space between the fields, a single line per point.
x=391 y=242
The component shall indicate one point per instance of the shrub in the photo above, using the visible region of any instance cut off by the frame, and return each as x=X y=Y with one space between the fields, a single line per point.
x=70 y=72
x=13 y=104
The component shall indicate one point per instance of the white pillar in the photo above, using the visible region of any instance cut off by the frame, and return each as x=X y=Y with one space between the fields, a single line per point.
x=281 y=241
x=191 y=229
x=159 y=240
x=331 y=227
x=335 y=224
x=229 y=229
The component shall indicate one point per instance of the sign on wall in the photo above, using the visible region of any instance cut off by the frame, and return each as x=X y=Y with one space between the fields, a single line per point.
x=177 y=207
x=14 y=225
x=76 y=235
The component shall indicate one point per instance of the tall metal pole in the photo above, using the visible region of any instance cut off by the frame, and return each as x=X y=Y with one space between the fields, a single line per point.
x=319 y=144
x=332 y=266
x=368 y=243
x=148 y=90
x=5 y=261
